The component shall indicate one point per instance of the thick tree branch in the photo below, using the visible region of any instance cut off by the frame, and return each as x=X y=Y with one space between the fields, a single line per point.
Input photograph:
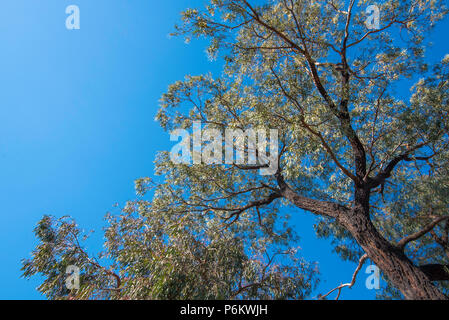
x=324 y=208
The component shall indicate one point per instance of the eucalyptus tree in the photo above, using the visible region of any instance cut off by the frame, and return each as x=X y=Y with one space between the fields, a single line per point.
x=369 y=160
x=168 y=253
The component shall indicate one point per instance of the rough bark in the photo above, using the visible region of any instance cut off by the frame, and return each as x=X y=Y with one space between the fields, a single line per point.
x=411 y=280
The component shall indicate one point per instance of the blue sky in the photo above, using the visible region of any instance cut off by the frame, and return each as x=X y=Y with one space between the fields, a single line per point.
x=76 y=119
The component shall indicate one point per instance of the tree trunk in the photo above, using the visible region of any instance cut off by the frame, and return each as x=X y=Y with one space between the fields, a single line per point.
x=408 y=278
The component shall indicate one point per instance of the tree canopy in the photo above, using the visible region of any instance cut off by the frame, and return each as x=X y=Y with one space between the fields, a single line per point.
x=370 y=161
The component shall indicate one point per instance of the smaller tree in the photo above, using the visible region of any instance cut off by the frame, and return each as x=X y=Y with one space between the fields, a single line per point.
x=165 y=250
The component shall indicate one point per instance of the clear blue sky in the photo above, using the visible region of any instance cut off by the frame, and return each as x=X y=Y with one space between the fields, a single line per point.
x=76 y=119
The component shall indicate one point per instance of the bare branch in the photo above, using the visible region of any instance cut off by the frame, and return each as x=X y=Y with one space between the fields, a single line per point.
x=350 y=284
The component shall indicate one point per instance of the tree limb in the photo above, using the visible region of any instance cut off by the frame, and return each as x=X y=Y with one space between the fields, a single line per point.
x=324 y=208
x=386 y=173
x=350 y=284
x=415 y=236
